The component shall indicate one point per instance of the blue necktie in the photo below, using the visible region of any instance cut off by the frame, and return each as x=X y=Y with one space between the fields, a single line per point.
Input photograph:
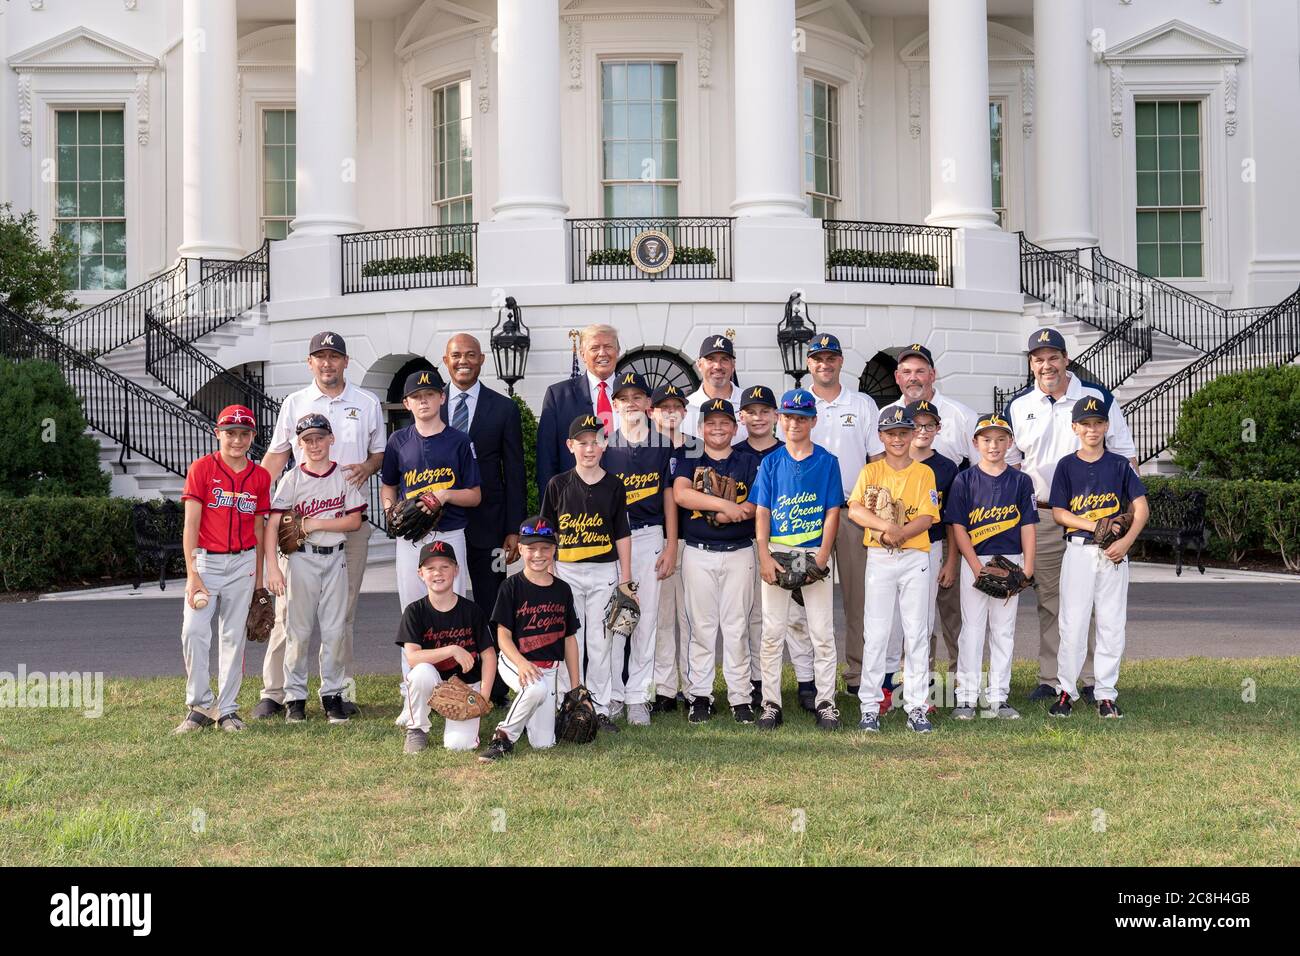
x=460 y=418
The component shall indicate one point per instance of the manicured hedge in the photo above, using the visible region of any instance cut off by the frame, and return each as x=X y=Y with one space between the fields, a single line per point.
x=1246 y=517
x=404 y=265
x=682 y=256
x=50 y=543
x=1245 y=425
x=528 y=424
x=864 y=258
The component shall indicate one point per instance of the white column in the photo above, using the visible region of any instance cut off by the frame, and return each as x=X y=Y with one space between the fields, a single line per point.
x=326 y=73
x=1061 y=136
x=767 y=110
x=530 y=185
x=210 y=158
x=961 y=192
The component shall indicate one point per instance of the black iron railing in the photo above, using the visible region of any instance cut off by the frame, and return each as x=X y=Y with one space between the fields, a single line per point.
x=1270 y=341
x=221 y=296
x=426 y=257
x=600 y=249
x=136 y=418
x=119 y=320
x=889 y=252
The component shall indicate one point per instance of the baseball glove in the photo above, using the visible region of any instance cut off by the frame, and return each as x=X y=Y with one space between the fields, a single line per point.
x=576 y=722
x=456 y=700
x=623 y=611
x=1002 y=578
x=261 y=616
x=413 y=518
x=1111 y=528
x=884 y=506
x=292 y=536
x=709 y=482
x=794 y=569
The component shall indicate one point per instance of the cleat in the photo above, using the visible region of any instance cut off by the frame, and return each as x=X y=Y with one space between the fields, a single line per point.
x=1062 y=707
x=416 y=741
x=1043 y=692
x=333 y=707
x=963 y=712
x=870 y=723
x=194 y=720
x=1109 y=710
x=267 y=708
x=231 y=724
x=828 y=716
x=918 y=722
x=701 y=711
x=638 y=715
x=770 y=718
x=498 y=748
x=295 y=712
x=743 y=713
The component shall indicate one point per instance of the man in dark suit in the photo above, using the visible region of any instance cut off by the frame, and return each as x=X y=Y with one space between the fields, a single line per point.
x=589 y=393
x=492 y=422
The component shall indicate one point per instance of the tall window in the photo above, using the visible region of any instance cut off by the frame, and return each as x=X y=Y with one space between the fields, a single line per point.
x=821 y=147
x=453 y=154
x=91 y=197
x=638 y=133
x=1170 y=194
x=279 y=172
x=998 y=159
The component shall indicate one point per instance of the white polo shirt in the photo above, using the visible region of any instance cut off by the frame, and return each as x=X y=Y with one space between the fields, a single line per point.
x=355 y=415
x=1044 y=433
x=847 y=428
x=957 y=427
x=696 y=400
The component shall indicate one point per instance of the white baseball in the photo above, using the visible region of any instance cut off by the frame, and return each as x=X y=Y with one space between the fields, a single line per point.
x=200 y=600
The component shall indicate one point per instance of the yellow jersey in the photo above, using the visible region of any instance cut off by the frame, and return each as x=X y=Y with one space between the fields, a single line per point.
x=913 y=486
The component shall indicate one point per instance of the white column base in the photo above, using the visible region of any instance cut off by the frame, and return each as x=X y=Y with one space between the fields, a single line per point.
x=529 y=207
x=775 y=206
x=970 y=218
x=208 y=250
x=522 y=252
x=306 y=267
x=1079 y=241
x=1271 y=279
x=986 y=259
x=324 y=225
x=784 y=249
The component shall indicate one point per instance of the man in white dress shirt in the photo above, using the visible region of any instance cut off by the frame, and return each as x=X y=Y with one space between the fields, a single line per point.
x=717 y=368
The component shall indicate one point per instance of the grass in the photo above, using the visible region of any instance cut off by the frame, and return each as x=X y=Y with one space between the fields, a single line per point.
x=1192 y=775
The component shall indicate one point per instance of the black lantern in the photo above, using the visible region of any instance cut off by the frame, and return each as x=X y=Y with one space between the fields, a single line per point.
x=793 y=335
x=510 y=343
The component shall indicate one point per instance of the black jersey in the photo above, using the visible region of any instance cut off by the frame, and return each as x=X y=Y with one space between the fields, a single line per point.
x=538 y=618
x=464 y=625
x=588 y=517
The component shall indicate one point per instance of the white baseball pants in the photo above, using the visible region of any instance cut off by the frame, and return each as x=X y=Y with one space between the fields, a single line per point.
x=1091 y=583
x=777 y=605
x=315 y=591
x=647 y=545
x=533 y=707
x=797 y=644
x=897 y=582
x=980 y=614
x=672 y=633
x=591 y=583
x=458 y=734
x=719 y=593
x=228 y=579
x=895 y=656
x=410 y=587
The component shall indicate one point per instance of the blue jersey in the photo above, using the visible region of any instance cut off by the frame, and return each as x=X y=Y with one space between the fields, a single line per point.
x=992 y=508
x=1094 y=489
x=416 y=465
x=741 y=465
x=643 y=469
x=944 y=473
x=799 y=494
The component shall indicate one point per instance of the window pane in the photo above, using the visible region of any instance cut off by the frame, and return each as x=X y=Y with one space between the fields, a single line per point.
x=1170 y=154
x=669 y=170
x=1192 y=227
x=291 y=163
x=92 y=272
x=819 y=101
x=1144 y=118
x=273 y=162
x=114 y=272
x=666 y=199
x=1170 y=189
x=291 y=126
x=1191 y=148
x=666 y=81
x=112 y=126
x=1148 y=259
x=88 y=127
x=640 y=200
x=274 y=125
x=67 y=122
x=1192 y=260
x=1146 y=152
x=275 y=229
x=115 y=238
x=618 y=81
x=667 y=125
x=1170 y=228
x=113 y=160
x=1191 y=189
x=611 y=204
x=114 y=199
x=88 y=199
x=1167 y=118
x=640 y=161
x=66 y=200
x=1170 y=261
x=1146 y=227
x=821 y=178
x=88 y=163
x=1191 y=118
x=67 y=160
x=638 y=81
x=290 y=200
x=90 y=239
x=638 y=120
x=273 y=199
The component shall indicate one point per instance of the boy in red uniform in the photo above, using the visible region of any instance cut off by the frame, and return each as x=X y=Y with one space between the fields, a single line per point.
x=226 y=498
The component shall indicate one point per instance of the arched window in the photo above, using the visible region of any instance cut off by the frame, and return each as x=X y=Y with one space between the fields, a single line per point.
x=662 y=367
x=398 y=416
x=877 y=379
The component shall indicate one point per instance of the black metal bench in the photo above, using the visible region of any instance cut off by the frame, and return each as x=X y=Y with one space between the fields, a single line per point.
x=158 y=531
x=1177 y=519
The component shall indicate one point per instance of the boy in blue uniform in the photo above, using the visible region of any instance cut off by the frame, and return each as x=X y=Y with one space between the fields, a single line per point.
x=992 y=511
x=1090 y=485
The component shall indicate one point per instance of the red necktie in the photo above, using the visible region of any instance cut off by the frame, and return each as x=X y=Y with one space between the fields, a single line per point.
x=603 y=408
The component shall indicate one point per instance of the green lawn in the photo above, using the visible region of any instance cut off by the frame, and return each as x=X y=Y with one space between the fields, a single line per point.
x=1192 y=775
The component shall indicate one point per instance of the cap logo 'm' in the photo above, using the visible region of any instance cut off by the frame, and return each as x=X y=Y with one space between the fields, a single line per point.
x=717 y=343
x=825 y=341
x=1091 y=406
x=629 y=378
x=327 y=340
x=916 y=346
x=757 y=393
x=1044 y=336
x=716 y=406
x=424 y=378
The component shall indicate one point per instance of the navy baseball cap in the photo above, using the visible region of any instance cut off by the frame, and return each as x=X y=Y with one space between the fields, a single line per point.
x=916 y=350
x=992 y=420
x=425 y=378
x=798 y=401
x=1046 y=339
x=667 y=393
x=537 y=530
x=718 y=406
x=631 y=379
x=825 y=343
x=315 y=422
x=585 y=423
x=922 y=407
x=758 y=395
x=717 y=343
x=1090 y=406
x=438 y=549
x=895 y=416
x=331 y=341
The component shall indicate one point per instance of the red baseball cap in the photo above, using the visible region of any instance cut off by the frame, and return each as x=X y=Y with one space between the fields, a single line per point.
x=236 y=416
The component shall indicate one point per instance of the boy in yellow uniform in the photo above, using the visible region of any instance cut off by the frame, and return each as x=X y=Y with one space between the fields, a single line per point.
x=898 y=570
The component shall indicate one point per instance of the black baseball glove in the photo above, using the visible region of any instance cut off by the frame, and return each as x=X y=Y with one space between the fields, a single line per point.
x=413 y=518
x=794 y=569
x=576 y=722
x=1002 y=578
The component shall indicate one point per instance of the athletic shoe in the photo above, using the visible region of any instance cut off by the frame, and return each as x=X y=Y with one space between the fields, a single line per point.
x=1043 y=692
x=295 y=711
x=828 y=716
x=700 y=710
x=333 y=707
x=606 y=724
x=194 y=720
x=615 y=710
x=1089 y=695
x=416 y=741
x=963 y=712
x=681 y=699
x=808 y=696
x=267 y=708
x=1062 y=707
x=350 y=709
x=1109 y=710
x=663 y=704
x=887 y=702
x=755 y=695
x=851 y=689
x=498 y=748
x=870 y=722
x=744 y=713
x=770 y=718
x=231 y=724
x=1003 y=711
x=918 y=721
x=638 y=715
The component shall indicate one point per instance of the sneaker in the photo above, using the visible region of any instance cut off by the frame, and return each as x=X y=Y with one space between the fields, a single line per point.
x=663 y=704
x=918 y=721
x=638 y=715
x=350 y=709
x=333 y=707
x=606 y=724
x=615 y=710
x=828 y=716
x=963 y=712
x=231 y=724
x=1109 y=710
x=194 y=720
x=416 y=741
x=267 y=708
x=295 y=712
x=498 y=748
x=887 y=702
x=700 y=710
x=1062 y=707
x=870 y=722
x=755 y=696
x=770 y=718
x=808 y=696
x=851 y=689
x=744 y=713
x=1089 y=695
x=681 y=699
x=1043 y=692
x=1002 y=711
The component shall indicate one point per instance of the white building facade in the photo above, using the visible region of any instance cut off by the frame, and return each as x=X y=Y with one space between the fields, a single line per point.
x=1163 y=132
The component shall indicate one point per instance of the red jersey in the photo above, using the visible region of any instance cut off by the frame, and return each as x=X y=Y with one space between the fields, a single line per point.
x=230 y=500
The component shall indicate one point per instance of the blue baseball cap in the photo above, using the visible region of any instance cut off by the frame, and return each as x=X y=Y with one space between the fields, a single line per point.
x=992 y=420
x=315 y=422
x=667 y=393
x=425 y=378
x=922 y=407
x=895 y=416
x=585 y=423
x=758 y=395
x=632 y=379
x=916 y=350
x=1046 y=339
x=1090 y=406
x=800 y=402
x=825 y=343
x=717 y=343
x=437 y=549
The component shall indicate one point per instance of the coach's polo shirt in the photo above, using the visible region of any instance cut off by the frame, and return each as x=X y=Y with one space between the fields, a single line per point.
x=354 y=414
x=696 y=400
x=847 y=428
x=956 y=426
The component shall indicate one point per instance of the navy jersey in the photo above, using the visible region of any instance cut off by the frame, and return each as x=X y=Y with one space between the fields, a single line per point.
x=760 y=452
x=1094 y=489
x=991 y=508
x=643 y=469
x=416 y=465
x=944 y=473
x=741 y=465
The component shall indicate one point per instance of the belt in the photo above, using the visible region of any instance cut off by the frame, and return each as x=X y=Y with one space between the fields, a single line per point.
x=722 y=547
x=240 y=551
x=318 y=550
x=1081 y=542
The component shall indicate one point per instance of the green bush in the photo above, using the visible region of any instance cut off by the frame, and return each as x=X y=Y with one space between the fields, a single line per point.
x=682 y=256
x=33 y=276
x=609 y=257
x=529 y=423
x=1243 y=426
x=1246 y=517
x=404 y=265
x=43 y=446
x=62 y=542
x=864 y=258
